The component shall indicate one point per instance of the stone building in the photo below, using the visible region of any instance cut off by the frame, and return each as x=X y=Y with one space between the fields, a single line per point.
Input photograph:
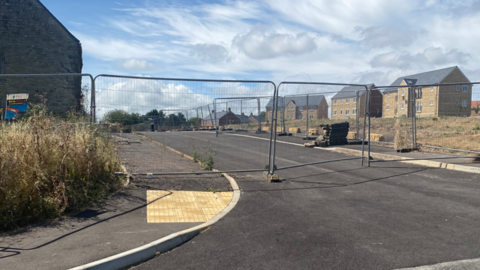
x=299 y=107
x=431 y=100
x=33 y=41
x=223 y=118
x=350 y=101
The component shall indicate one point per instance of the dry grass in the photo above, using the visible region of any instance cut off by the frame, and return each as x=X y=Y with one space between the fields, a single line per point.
x=50 y=166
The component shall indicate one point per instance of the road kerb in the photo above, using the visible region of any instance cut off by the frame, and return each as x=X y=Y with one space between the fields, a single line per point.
x=427 y=163
x=143 y=253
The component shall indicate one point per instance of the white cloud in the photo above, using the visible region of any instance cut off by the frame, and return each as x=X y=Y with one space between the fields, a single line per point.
x=210 y=53
x=432 y=57
x=138 y=65
x=387 y=37
x=259 y=44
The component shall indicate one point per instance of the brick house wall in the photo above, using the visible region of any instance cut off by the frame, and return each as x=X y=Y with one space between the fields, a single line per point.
x=33 y=41
x=293 y=112
x=349 y=107
x=449 y=95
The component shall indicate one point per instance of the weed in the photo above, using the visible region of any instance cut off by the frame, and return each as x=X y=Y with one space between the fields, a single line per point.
x=50 y=166
x=207 y=160
x=434 y=119
x=195 y=154
x=476 y=128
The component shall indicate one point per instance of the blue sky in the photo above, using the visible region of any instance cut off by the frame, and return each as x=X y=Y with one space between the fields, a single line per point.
x=319 y=40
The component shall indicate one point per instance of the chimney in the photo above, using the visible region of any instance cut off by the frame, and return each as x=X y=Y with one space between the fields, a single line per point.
x=229 y=109
x=243 y=114
x=251 y=114
x=213 y=111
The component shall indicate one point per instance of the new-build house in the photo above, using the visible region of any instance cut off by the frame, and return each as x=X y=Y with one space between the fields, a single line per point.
x=256 y=118
x=431 y=100
x=350 y=101
x=223 y=118
x=299 y=107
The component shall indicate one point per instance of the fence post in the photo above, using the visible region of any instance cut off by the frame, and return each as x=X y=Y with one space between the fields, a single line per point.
x=357 y=120
x=369 y=122
x=259 y=121
x=306 y=131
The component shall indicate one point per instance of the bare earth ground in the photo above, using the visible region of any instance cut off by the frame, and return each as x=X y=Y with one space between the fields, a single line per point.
x=115 y=225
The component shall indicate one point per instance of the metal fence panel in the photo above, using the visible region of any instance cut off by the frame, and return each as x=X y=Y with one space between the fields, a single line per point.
x=185 y=114
x=319 y=103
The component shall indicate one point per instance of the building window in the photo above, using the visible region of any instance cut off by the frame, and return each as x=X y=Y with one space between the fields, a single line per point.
x=341 y=101
x=403 y=91
x=335 y=112
x=347 y=112
x=418 y=93
x=281 y=117
x=334 y=102
x=347 y=101
x=432 y=88
x=458 y=103
x=402 y=104
x=388 y=107
x=465 y=89
x=464 y=103
x=300 y=108
x=311 y=116
x=300 y=117
x=419 y=106
x=340 y=112
x=458 y=87
x=355 y=100
x=288 y=116
x=388 y=95
x=311 y=108
x=431 y=102
x=354 y=111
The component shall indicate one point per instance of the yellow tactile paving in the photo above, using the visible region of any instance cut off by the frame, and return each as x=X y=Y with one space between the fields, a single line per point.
x=185 y=206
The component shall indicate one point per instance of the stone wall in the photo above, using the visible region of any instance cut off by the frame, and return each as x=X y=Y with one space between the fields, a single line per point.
x=449 y=95
x=32 y=41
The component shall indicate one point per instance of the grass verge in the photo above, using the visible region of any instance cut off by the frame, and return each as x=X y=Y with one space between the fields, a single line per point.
x=51 y=166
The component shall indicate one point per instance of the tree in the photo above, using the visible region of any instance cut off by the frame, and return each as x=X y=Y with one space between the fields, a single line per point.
x=194 y=122
x=122 y=117
x=263 y=113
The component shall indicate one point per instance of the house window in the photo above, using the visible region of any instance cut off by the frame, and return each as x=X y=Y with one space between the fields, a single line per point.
x=402 y=105
x=340 y=112
x=458 y=103
x=281 y=117
x=288 y=116
x=432 y=88
x=464 y=103
x=388 y=107
x=419 y=106
x=465 y=89
x=341 y=101
x=347 y=112
x=388 y=95
x=431 y=102
x=355 y=100
x=311 y=108
x=348 y=101
x=418 y=93
x=311 y=116
x=300 y=117
x=458 y=87
x=334 y=102
x=403 y=91
x=354 y=111
x=300 y=108
x=335 y=112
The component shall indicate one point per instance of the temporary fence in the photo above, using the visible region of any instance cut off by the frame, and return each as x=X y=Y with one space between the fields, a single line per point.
x=187 y=109
x=331 y=102
x=438 y=117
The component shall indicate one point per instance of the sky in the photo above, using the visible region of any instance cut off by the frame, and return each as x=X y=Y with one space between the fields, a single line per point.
x=368 y=41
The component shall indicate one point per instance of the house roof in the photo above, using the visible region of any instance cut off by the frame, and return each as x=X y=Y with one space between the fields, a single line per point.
x=475 y=104
x=350 y=91
x=299 y=101
x=217 y=114
x=427 y=78
x=258 y=118
x=243 y=118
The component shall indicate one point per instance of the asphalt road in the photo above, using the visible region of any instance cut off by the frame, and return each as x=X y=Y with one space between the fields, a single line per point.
x=330 y=216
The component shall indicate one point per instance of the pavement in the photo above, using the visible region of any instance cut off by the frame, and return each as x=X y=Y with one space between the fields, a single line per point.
x=336 y=215
x=118 y=224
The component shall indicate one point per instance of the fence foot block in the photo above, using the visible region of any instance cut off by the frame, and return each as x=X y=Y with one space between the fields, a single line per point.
x=270 y=177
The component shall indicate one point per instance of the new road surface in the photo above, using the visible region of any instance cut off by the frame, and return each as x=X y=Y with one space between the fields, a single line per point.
x=336 y=215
